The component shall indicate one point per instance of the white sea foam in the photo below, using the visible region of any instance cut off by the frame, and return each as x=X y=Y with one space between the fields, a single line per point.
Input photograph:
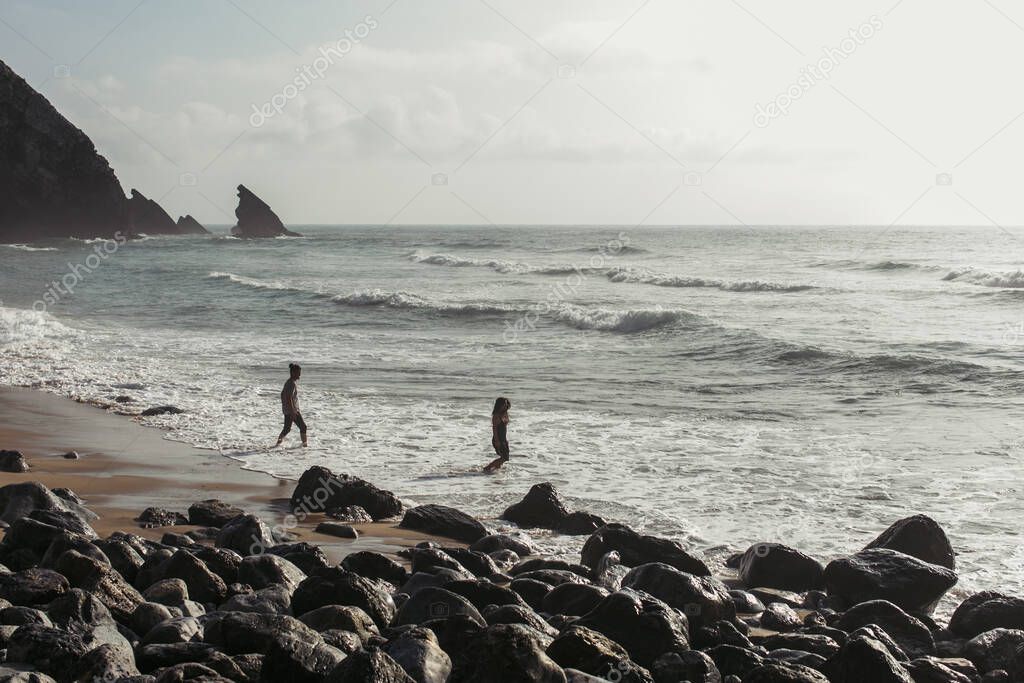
x=25 y=247
x=646 y=277
x=607 y=320
x=1004 y=280
x=508 y=267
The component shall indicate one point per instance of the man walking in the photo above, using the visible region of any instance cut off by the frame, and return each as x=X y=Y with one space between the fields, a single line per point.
x=290 y=405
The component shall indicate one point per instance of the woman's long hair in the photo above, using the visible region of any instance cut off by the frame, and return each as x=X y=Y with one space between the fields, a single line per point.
x=501 y=405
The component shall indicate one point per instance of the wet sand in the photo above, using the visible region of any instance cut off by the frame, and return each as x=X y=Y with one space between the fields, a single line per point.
x=123 y=468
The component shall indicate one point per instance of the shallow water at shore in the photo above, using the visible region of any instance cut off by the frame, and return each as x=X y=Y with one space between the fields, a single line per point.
x=720 y=385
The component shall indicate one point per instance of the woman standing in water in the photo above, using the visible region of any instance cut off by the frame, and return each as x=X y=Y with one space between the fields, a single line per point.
x=499 y=433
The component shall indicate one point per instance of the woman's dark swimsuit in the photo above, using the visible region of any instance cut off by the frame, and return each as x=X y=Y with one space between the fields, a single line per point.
x=500 y=438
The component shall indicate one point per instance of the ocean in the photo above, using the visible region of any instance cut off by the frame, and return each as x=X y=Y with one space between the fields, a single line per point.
x=719 y=385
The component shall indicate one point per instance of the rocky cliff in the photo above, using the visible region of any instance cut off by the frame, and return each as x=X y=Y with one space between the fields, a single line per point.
x=190 y=226
x=53 y=183
x=256 y=218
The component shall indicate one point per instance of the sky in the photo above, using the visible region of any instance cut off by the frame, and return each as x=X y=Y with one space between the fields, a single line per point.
x=504 y=112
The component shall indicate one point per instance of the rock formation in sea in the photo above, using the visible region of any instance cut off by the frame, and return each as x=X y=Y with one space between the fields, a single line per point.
x=190 y=226
x=54 y=182
x=256 y=218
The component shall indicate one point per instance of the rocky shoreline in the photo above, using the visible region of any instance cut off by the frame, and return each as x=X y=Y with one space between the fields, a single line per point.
x=238 y=599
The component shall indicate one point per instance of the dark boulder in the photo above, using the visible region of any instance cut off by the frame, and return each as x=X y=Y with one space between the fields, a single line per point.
x=336 y=529
x=373 y=666
x=161 y=410
x=54 y=652
x=932 y=670
x=343 y=618
x=777 y=672
x=685 y=666
x=375 y=566
x=910 y=633
x=593 y=653
x=520 y=544
x=780 y=617
x=995 y=649
x=444 y=521
x=539 y=508
x=645 y=626
x=32 y=586
x=246 y=535
x=531 y=591
x=102 y=581
x=732 y=660
x=772 y=565
x=881 y=574
x=635 y=549
x=269 y=600
x=256 y=219
x=417 y=651
x=339 y=587
x=158 y=517
x=518 y=614
x=580 y=524
x=13 y=461
x=919 y=536
x=507 y=653
x=253 y=632
x=212 y=512
x=203 y=584
x=18 y=501
x=821 y=645
x=986 y=611
x=573 y=599
x=149 y=658
x=261 y=571
x=300 y=660
x=704 y=600
x=436 y=603
x=864 y=659
x=319 y=489
x=306 y=556
x=353 y=514
x=483 y=593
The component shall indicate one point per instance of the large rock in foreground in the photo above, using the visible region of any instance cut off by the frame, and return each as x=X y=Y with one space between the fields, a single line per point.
x=880 y=574
x=54 y=182
x=256 y=218
x=542 y=508
x=919 y=536
x=441 y=520
x=771 y=565
x=320 y=489
x=635 y=549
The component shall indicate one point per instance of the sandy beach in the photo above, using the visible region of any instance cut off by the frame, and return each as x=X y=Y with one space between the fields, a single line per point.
x=123 y=468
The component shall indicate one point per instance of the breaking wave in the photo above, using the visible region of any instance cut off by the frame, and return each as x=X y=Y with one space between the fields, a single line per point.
x=631 y=275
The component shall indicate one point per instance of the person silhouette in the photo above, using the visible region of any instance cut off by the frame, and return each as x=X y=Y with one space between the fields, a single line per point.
x=499 y=433
x=290 y=405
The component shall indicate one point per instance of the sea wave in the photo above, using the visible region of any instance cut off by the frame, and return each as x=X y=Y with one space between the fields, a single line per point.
x=407 y=300
x=509 y=267
x=607 y=320
x=253 y=282
x=631 y=275
x=1004 y=280
x=885 y=265
x=25 y=325
x=25 y=247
